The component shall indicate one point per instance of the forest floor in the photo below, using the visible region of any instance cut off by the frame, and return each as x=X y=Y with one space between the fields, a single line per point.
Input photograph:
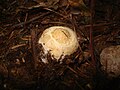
x=97 y=25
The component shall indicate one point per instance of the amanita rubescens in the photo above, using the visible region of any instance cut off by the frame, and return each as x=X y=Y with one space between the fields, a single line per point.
x=59 y=41
x=110 y=60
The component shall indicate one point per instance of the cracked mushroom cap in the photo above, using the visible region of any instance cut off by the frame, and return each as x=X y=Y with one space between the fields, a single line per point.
x=110 y=60
x=59 y=41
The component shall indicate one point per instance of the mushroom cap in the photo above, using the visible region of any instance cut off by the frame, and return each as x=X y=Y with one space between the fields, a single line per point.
x=110 y=60
x=59 y=41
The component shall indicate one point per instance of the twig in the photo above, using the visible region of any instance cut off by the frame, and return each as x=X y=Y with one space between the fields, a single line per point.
x=74 y=23
x=98 y=25
x=17 y=46
x=29 y=21
x=56 y=12
x=91 y=33
x=33 y=45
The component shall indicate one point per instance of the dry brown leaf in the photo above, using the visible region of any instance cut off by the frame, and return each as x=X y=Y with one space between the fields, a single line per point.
x=76 y=3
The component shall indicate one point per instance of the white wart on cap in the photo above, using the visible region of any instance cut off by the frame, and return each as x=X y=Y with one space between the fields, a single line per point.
x=59 y=41
x=110 y=60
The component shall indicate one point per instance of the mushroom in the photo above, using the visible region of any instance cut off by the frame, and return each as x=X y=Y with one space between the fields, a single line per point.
x=59 y=41
x=110 y=60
